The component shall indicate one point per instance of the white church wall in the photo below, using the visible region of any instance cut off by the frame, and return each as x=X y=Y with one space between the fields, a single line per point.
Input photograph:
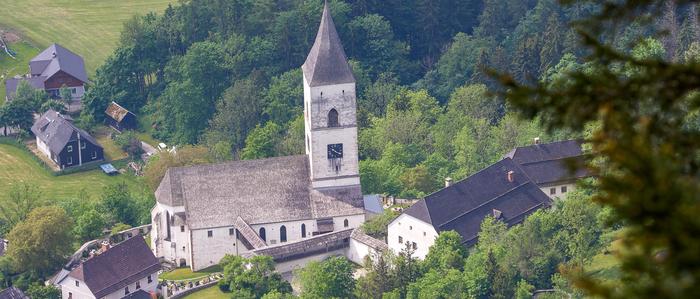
x=411 y=229
x=170 y=250
x=272 y=230
x=321 y=167
x=208 y=251
x=354 y=221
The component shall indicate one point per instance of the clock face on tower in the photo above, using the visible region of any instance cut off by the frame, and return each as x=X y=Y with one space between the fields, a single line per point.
x=335 y=151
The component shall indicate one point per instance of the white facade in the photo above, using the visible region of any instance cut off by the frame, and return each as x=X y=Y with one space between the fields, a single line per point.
x=77 y=92
x=72 y=288
x=558 y=190
x=318 y=103
x=44 y=148
x=408 y=229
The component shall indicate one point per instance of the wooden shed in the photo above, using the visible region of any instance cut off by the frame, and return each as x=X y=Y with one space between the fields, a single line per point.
x=119 y=118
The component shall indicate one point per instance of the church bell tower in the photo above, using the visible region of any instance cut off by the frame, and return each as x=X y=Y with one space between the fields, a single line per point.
x=330 y=111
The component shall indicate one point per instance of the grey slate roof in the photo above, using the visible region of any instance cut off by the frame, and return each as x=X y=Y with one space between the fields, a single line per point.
x=464 y=205
x=373 y=203
x=56 y=58
x=327 y=63
x=121 y=265
x=259 y=191
x=11 y=84
x=360 y=236
x=56 y=130
x=547 y=163
x=12 y=293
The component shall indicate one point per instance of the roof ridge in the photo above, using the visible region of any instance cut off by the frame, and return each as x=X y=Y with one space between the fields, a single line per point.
x=181 y=168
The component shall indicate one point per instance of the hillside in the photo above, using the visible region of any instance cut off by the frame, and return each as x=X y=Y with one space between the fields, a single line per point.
x=91 y=28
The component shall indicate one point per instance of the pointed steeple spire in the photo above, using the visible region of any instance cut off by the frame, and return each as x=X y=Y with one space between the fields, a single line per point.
x=327 y=63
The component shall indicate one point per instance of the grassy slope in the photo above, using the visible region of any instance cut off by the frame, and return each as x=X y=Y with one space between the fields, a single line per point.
x=209 y=293
x=10 y=67
x=90 y=28
x=187 y=274
x=18 y=166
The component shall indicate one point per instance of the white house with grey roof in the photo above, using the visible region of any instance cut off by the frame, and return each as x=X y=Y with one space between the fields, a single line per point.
x=205 y=212
x=508 y=190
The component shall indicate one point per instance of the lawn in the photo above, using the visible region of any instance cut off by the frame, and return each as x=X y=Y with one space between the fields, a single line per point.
x=187 y=274
x=112 y=150
x=90 y=28
x=10 y=67
x=17 y=166
x=212 y=292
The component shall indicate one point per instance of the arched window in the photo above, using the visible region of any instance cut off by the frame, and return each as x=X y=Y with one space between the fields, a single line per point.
x=345 y=223
x=303 y=230
x=283 y=234
x=333 y=118
x=262 y=234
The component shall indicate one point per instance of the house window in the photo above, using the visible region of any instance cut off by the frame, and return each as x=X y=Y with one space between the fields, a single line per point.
x=151 y=279
x=83 y=145
x=70 y=295
x=231 y=231
x=77 y=283
x=210 y=233
x=410 y=227
x=415 y=246
x=303 y=230
x=94 y=155
x=183 y=248
x=552 y=191
x=73 y=91
x=69 y=161
x=345 y=223
x=138 y=285
x=182 y=228
x=563 y=189
x=283 y=234
x=400 y=240
x=424 y=234
x=262 y=234
x=69 y=148
x=333 y=118
x=126 y=291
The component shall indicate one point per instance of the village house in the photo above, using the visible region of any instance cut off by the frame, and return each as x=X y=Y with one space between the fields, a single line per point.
x=508 y=190
x=127 y=270
x=64 y=143
x=119 y=118
x=12 y=293
x=52 y=69
x=205 y=212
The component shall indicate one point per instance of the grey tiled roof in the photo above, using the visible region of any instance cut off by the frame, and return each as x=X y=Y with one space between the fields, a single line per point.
x=56 y=130
x=327 y=63
x=259 y=191
x=464 y=205
x=11 y=84
x=363 y=238
x=121 y=265
x=12 y=293
x=547 y=163
x=57 y=58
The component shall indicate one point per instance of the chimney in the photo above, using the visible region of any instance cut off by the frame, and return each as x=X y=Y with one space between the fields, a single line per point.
x=536 y=140
x=510 y=176
x=448 y=182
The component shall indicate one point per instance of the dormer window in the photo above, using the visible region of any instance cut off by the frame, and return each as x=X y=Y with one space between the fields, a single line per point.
x=69 y=148
x=333 y=119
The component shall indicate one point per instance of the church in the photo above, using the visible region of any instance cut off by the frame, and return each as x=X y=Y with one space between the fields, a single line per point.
x=207 y=211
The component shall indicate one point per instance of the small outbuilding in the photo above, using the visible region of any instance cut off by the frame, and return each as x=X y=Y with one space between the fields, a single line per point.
x=119 y=118
x=12 y=293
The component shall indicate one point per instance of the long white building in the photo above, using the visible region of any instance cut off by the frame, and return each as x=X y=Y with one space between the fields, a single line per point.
x=205 y=212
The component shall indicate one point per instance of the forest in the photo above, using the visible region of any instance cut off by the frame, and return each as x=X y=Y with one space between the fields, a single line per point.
x=225 y=75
